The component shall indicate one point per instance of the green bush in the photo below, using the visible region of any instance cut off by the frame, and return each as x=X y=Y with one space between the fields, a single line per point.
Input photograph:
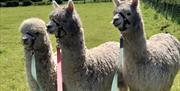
x=39 y=3
x=12 y=3
x=58 y=1
x=2 y=4
x=26 y=2
x=3 y=0
x=36 y=0
x=21 y=0
x=8 y=0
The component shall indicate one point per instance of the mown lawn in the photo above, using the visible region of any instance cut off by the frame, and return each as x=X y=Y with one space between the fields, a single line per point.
x=96 y=18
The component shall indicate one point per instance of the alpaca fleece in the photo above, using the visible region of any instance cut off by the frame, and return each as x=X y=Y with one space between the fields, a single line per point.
x=83 y=69
x=36 y=41
x=149 y=65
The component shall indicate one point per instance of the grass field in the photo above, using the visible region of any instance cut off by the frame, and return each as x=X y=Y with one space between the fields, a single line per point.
x=96 y=18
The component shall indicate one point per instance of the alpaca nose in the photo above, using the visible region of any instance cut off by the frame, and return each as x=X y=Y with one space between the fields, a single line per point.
x=115 y=22
x=25 y=41
x=26 y=38
x=116 y=17
x=49 y=26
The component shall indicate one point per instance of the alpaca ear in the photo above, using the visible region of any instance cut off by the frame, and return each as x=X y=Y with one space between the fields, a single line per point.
x=116 y=3
x=134 y=3
x=70 y=6
x=55 y=5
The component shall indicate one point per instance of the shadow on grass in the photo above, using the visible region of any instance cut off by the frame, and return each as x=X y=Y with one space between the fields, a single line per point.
x=166 y=9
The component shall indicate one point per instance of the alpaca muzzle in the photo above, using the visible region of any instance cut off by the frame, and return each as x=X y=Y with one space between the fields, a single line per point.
x=117 y=21
x=28 y=39
x=60 y=32
x=51 y=27
x=120 y=21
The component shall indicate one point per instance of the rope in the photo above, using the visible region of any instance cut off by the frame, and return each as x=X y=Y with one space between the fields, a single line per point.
x=33 y=71
x=114 y=86
x=59 y=70
x=59 y=58
x=33 y=67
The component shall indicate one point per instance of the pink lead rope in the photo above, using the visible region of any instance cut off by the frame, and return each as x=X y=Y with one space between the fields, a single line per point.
x=59 y=70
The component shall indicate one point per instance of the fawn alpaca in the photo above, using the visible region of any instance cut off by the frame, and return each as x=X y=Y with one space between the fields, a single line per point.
x=36 y=43
x=149 y=65
x=83 y=69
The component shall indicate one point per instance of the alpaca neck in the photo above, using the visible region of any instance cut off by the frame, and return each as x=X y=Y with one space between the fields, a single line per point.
x=44 y=67
x=73 y=50
x=135 y=42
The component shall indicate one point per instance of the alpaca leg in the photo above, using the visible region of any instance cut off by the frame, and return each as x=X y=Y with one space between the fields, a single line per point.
x=123 y=88
x=165 y=89
x=32 y=84
x=64 y=87
x=130 y=89
x=121 y=83
x=168 y=86
x=133 y=90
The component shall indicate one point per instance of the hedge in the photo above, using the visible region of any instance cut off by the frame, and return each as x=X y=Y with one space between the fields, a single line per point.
x=58 y=1
x=20 y=0
x=12 y=3
x=26 y=3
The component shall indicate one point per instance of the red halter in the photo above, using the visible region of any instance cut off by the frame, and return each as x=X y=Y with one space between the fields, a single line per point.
x=59 y=70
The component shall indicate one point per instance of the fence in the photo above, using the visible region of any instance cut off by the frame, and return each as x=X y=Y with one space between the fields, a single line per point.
x=13 y=3
x=168 y=8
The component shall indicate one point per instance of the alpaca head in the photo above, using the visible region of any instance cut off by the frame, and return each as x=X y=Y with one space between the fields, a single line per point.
x=126 y=14
x=33 y=33
x=63 y=20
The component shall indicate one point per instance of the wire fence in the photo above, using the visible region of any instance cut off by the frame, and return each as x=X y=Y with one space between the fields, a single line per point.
x=168 y=8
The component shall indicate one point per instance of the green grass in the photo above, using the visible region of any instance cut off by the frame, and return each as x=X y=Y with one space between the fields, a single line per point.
x=96 y=20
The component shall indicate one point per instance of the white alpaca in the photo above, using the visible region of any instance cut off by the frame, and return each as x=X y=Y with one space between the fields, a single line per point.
x=36 y=43
x=149 y=65
x=83 y=69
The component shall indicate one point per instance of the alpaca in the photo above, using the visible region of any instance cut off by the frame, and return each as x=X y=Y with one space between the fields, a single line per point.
x=36 y=42
x=83 y=69
x=149 y=65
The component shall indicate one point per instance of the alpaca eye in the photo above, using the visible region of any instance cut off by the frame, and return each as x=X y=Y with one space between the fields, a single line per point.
x=37 y=33
x=128 y=13
x=64 y=21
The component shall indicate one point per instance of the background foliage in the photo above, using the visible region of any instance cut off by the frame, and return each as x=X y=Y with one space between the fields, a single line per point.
x=169 y=8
